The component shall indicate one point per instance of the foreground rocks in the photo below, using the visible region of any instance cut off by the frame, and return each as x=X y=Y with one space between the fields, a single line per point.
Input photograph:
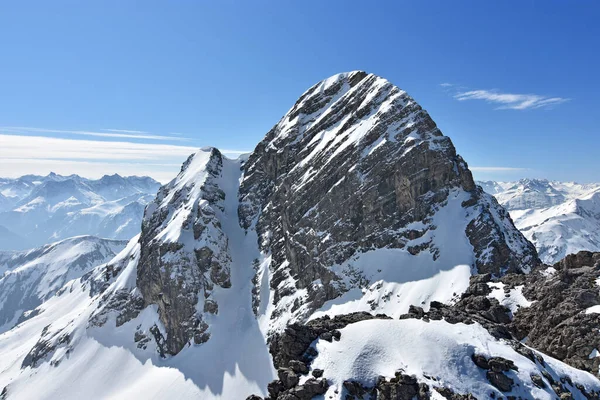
x=556 y=323
x=292 y=347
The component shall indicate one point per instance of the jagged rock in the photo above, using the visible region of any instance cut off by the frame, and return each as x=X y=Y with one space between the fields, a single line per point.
x=556 y=323
x=500 y=380
x=317 y=373
x=126 y=304
x=311 y=170
x=298 y=367
x=538 y=381
x=174 y=276
x=474 y=306
x=496 y=366
x=499 y=364
x=309 y=389
x=450 y=395
x=288 y=377
x=480 y=361
x=354 y=390
x=211 y=306
x=47 y=344
x=294 y=343
x=416 y=311
x=141 y=339
x=274 y=388
x=401 y=387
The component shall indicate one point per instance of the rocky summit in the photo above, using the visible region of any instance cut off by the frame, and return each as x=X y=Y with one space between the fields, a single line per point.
x=349 y=256
x=357 y=166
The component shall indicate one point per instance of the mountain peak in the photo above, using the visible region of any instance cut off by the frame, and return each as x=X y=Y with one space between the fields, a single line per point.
x=356 y=166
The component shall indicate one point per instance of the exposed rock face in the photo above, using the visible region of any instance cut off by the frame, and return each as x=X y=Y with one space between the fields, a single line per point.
x=358 y=165
x=557 y=323
x=355 y=168
x=561 y=321
x=45 y=346
x=294 y=352
x=184 y=252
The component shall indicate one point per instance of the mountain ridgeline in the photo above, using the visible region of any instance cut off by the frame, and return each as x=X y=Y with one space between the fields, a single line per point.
x=349 y=255
x=559 y=218
x=354 y=167
x=36 y=210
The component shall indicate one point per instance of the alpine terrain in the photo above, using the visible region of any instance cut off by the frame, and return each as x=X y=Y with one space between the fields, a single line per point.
x=31 y=277
x=559 y=218
x=349 y=256
x=36 y=210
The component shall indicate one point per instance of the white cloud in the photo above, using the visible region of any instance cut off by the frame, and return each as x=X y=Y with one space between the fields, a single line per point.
x=125 y=131
x=41 y=155
x=110 y=133
x=446 y=84
x=509 y=100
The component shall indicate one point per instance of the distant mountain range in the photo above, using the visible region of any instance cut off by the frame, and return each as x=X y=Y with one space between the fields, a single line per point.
x=28 y=278
x=559 y=218
x=35 y=210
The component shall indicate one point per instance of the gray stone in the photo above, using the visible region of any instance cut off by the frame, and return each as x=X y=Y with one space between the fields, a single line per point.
x=288 y=377
x=500 y=380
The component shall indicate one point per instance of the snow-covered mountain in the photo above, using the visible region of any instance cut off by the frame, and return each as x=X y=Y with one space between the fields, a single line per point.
x=559 y=218
x=31 y=277
x=36 y=210
x=350 y=255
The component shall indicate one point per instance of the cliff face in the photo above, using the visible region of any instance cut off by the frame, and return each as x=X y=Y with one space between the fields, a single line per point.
x=184 y=251
x=351 y=244
x=357 y=165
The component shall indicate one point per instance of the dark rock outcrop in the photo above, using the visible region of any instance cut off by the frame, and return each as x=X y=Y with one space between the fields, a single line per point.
x=474 y=306
x=359 y=159
x=495 y=371
x=292 y=346
x=174 y=276
x=556 y=323
x=45 y=347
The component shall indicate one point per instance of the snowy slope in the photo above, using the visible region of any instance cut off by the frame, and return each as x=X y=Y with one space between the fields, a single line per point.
x=436 y=353
x=40 y=209
x=559 y=218
x=29 y=278
x=233 y=364
x=363 y=204
x=355 y=201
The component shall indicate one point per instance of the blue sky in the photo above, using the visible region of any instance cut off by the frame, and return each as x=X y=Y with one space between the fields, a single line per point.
x=134 y=86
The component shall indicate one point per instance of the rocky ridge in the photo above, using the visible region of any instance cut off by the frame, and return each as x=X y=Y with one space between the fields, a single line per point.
x=357 y=165
x=346 y=238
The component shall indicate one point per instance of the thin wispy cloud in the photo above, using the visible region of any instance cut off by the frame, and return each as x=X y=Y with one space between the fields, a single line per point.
x=92 y=158
x=511 y=101
x=108 y=133
x=126 y=131
x=446 y=84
